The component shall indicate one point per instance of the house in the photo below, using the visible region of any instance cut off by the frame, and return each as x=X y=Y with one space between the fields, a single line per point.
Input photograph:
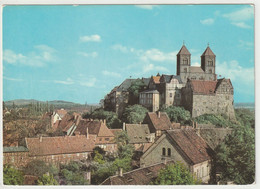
x=140 y=176
x=182 y=145
x=150 y=99
x=157 y=122
x=57 y=115
x=104 y=137
x=68 y=123
x=62 y=149
x=139 y=136
x=15 y=155
x=209 y=97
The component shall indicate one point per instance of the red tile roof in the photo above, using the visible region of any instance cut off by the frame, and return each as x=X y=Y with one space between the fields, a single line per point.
x=183 y=50
x=66 y=121
x=60 y=145
x=161 y=122
x=203 y=87
x=156 y=79
x=208 y=52
x=141 y=176
x=195 y=148
x=116 y=131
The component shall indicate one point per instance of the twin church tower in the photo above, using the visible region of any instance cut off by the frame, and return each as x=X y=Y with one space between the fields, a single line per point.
x=205 y=72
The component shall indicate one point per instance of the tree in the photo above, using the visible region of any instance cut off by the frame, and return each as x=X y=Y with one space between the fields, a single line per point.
x=47 y=179
x=134 y=114
x=12 y=176
x=136 y=87
x=36 y=168
x=175 y=174
x=236 y=157
x=177 y=114
x=245 y=117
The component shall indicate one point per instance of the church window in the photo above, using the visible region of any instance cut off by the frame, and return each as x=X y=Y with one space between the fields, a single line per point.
x=163 y=152
x=169 y=152
x=210 y=63
x=185 y=61
x=210 y=70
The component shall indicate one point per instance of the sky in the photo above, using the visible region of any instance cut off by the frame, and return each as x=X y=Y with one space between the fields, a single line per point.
x=79 y=53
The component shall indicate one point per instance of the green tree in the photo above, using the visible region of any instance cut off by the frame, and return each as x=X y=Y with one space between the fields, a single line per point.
x=36 y=168
x=217 y=120
x=175 y=174
x=136 y=87
x=177 y=114
x=236 y=156
x=134 y=114
x=12 y=176
x=47 y=179
x=245 y=117
x=98 y=157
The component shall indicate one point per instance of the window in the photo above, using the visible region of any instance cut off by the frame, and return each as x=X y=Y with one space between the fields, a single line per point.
x=169 y=152
x=185 y=70
x=185 y=61
x=170 y=94
x=210 y=63
x=163 y=152
x=210 y=70
x=106 y=139
x=193 y=77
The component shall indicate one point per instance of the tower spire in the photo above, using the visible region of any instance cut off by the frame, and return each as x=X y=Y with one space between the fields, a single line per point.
x=183 y=42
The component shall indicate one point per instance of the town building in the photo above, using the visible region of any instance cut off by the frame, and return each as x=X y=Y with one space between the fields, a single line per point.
x=181 y=145
x=16 y=156
x=150 y=100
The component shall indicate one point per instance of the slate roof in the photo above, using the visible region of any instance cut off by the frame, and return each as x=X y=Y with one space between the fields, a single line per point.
x=141 y=176
x=168 y=78
x=60 y=145
x=160 y=123
x=151 y=91
x=193 y=146
x=137 y=133
x=15 y=149
x=183 y=50
x=196 y=69
x=94 y=128
x=125 y=85
x=208 y=52
x=146 y=81
x=203 y=87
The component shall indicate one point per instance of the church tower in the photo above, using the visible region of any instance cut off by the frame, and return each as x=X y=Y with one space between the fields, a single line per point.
x=208 y=60
x=183 y=63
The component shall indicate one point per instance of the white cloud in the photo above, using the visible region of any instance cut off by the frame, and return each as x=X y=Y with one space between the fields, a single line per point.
x=90 y=82
x=152 y=67
x=112 y=74
x=92 y=54
x=241 y=25
x=12 y=79
x=68 y=81
x=196 y=64
x=41 y=55
x=241 y=15
x=246 y=45
x=236 y=72
x=238 y=18
x=90 y=38
x=121 y=48
x=157 y=55
x=147 y=7
x=208 y=21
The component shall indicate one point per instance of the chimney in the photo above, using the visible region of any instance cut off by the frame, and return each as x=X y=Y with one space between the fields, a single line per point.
x=87 y=133
x=159 y=114
x=120 y=172
x=124 y=126
x=40 y=138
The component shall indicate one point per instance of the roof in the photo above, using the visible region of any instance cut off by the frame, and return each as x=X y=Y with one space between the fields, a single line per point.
x=144 y=147
x=137 y=133
x=94 y=128
x=66 y=122
x=125 y=85
x=195 y=69
x=15 y=149
x=116 y=131
x=183 y=50
x=223 y=79
x=61 y=112
x=193 y=146
x=203 y=87
x=161 y=122
x=146 y=80
x=151 y=91
x=141 y=176
x=60 y=145
x=168 y=78
x=208 y=52
x=156 y=79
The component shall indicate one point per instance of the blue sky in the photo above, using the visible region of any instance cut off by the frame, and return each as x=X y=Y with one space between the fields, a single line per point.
x=79 y=53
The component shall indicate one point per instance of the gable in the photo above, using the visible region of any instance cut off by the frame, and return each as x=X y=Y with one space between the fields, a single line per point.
x=224 y=85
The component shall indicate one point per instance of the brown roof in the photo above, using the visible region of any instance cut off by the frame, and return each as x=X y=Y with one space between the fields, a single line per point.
x=137 y=133
x=61 y=112
x=66 y=122
x=208 y=52
x=94 y=127
x=183 y=50
x=116 y=131
x=195 y=69
x=160 y=123
x=141 y=176
x=60 y=145
x=156 y=79
x=193 y=146
x=203 y=87
x=144 y=147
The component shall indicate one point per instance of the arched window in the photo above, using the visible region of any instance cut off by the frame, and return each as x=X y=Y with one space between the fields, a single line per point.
x=163 y=152
x=169 y=152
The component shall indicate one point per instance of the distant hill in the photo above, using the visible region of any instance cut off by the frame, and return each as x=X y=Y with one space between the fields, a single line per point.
x=250 y=105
